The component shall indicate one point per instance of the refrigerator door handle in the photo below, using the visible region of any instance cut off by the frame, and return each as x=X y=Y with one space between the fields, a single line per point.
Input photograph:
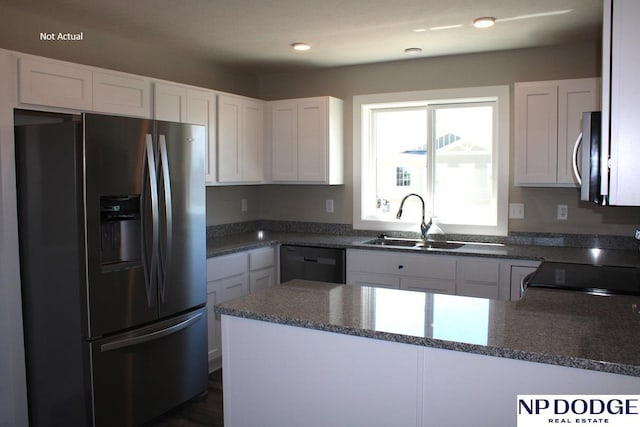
x=149 y=265
x=165 y=259
x=152 y=336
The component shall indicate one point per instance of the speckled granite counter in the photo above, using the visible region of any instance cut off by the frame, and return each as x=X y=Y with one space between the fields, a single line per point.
x=248 y=240
x=547 y=326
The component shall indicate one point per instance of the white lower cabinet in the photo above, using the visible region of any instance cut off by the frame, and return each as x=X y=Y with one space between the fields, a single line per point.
x=483 y=277
x=373 y=279
x=480 y=278
x=233 y=276
x=292 y=375
x=404 y=271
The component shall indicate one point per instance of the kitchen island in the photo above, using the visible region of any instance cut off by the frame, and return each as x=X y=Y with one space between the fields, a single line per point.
x=317 y=354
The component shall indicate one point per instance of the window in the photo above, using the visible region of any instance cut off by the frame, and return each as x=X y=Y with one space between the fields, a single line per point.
x=450 y=146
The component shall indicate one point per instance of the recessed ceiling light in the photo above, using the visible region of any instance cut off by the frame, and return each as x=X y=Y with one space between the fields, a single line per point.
x=301 y=46
x=484 y=22
x=412 y=50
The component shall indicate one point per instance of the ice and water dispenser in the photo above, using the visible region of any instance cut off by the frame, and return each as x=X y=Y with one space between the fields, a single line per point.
x=120 y=229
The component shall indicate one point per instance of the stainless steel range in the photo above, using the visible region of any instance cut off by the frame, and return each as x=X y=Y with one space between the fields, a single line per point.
x=594 y=279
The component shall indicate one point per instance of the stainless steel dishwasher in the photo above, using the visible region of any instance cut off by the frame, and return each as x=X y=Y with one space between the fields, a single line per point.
x=312 y=263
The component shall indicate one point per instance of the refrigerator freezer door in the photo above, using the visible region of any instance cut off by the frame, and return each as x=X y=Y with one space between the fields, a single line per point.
x=52 y=266
x=140 y=375
x=119 y=175
x=181 y=190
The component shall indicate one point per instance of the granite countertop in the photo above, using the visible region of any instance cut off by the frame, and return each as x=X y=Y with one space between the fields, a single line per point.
x=250 y=240
x=557 y=327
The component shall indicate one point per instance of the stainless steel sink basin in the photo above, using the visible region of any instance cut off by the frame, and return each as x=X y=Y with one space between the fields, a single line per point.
x=413 y=243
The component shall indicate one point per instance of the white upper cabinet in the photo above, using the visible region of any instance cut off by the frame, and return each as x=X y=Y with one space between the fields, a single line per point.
x=253 y=141
x=621 y=92
x=70 y=86
x=201 y=110
x=284 y=140
x=548 y=120
x=170 y=102
x=307 y=141
x=55 y=84
x=121 y=94
x=241 y=135
x=184 y=104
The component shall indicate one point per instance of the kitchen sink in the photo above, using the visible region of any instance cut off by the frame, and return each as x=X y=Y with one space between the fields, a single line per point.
x=413 y=243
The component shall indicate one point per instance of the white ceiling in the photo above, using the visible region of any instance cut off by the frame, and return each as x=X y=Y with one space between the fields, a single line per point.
x=258 y=33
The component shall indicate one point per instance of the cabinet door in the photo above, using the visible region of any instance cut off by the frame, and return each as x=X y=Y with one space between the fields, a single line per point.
x=536 y=133
x=480 y=278
x=262 y=258
x=119 y=94
x=233 y=287
x=312 y=140
x=201 y=110
x=170 y=102
x=262 y=279
x=229 y=137
x=253 y=142
x=214 y=341
x=284 y=141
x=55 y=84
x=624 y=91
x=574 y=98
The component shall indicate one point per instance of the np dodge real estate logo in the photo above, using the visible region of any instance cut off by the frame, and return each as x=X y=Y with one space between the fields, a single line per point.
x=548 y=410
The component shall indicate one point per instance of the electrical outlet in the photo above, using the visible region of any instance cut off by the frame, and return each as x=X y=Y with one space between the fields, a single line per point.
x=516 y=210
x=244 y=205
x=329 y=206
x=563 y=212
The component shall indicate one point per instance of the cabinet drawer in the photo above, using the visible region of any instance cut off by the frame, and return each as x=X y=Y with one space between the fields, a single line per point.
x=428 y=285
x=387 y=262
x=485 y=272
x=227 y=266
x=261 y=258
x=376 y=280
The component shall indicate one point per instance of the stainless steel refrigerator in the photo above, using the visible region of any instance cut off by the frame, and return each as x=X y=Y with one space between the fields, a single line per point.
x=113 y=257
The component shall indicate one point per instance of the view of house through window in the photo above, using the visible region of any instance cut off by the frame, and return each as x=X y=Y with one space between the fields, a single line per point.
x=458 y=179
x=447 y=152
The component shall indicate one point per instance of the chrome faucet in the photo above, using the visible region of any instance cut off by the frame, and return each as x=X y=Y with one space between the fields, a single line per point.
x=424 y=227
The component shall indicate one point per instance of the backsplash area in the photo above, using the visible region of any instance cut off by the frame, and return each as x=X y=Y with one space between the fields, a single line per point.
x=515 y=238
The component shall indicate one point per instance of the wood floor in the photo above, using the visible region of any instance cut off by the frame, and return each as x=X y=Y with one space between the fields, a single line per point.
x=207 y=412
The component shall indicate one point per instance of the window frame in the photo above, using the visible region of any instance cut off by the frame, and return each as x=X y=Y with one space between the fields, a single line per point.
x=364 y=156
